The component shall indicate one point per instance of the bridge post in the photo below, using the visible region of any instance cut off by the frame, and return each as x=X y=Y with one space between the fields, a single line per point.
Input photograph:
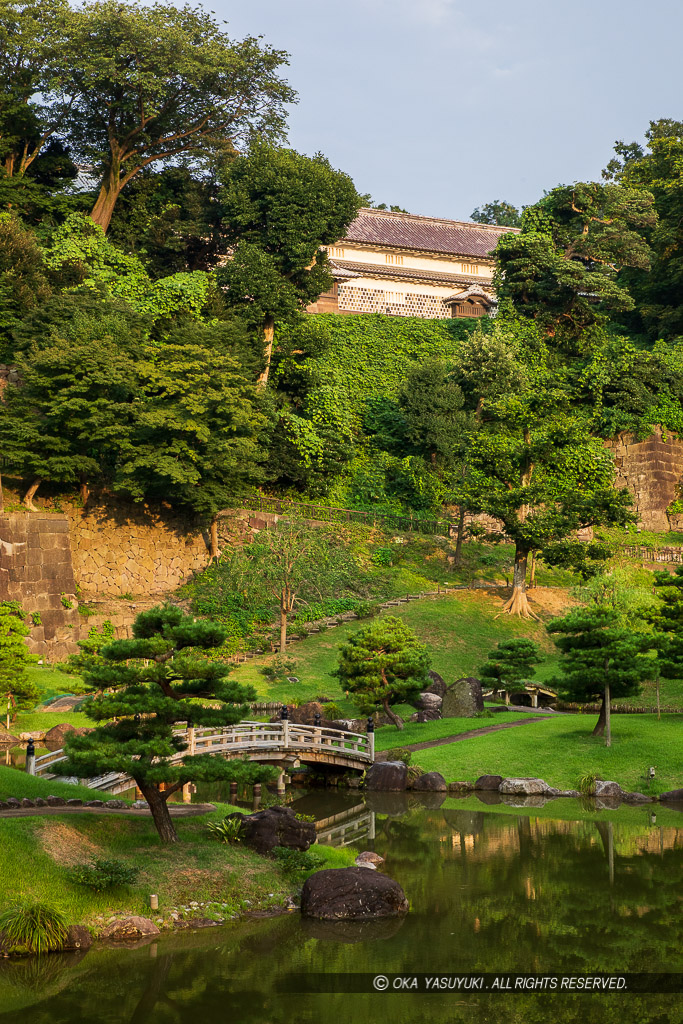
x=281 y=783
x=31 y=757
x=285 y=733
x=371 y=737
x=190 y=740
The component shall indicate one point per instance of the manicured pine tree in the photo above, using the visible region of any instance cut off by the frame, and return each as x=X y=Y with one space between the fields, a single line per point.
x=157 y=681
x=383 y=664
x=600 y=657
x=510 y=662
x=16 y=689
x=668 y=623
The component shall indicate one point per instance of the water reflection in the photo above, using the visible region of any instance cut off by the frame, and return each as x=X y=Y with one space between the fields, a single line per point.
x=488 y=891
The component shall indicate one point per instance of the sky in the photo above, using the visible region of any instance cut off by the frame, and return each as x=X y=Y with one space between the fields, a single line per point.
x=439 y=106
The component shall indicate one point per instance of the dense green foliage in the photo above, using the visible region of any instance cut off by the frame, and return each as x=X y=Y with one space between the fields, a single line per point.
x=383 y=664
x=17 y=691
x=511 y=662
x=498 y=212
x=154 y=681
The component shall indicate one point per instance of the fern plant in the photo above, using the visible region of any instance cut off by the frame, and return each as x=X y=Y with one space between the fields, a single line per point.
x=34 y=927
x=229 y=830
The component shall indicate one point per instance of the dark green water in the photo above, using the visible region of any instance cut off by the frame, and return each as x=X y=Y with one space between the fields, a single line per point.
x=489 y=891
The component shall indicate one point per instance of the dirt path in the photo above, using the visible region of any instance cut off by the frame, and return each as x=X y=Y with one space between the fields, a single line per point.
x=177 y=811
x=473 y=732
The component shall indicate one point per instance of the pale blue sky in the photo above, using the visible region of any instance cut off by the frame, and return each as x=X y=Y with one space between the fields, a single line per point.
x=441 y=105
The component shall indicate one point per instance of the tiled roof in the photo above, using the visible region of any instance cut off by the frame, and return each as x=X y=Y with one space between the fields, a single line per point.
x=401 y=273
x=426 y=234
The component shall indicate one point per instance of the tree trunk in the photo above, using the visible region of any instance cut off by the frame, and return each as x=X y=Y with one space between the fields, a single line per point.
x=608 y=716
x=30 y=495
x=213 y=533
x=283 y=630
x=518 y=603
x=268 y=335
x=460 y=536
x=2 y=500
x=599 y=729
x=659 y=711
x=391 y=715
x=84 y=492
x=532 y=571
x=109 y=193
x=160 y=813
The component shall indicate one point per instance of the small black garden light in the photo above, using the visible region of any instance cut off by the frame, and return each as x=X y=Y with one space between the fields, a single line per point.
x=317 y=719
x=371 y=724
x=284 y=713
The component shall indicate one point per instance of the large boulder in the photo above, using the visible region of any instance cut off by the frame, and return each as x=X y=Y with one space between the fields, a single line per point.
x=79 y=937
x=55 y=738
x=129 y=929
x=351 y=894
x=491 y=783
x=275 y=826
x=369 y=858
x=463 y=699
x=608 y=790
x=428 y=702
x=387 y=776
x=672 y=796
x=7 y=740
x=437 y=685
x=523 y=787
x=430 y=782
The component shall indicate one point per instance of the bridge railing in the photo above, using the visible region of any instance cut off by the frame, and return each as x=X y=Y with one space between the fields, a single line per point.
x=252 y=737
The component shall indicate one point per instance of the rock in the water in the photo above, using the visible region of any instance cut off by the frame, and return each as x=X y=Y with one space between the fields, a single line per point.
x=609 y=790
x=523 y=787
x=275 y=826
x=78 y=937
x=460 y=787
x=369 y=857
x=387 y=776
x=463 y=699
x=437 y=685
x=489 y=782
x=520 y=800
x=129 y=929
x=351 y=893
x=636 y=798
x=568 y=792
x=673 y=795
x=7 y=740
x=430 y=782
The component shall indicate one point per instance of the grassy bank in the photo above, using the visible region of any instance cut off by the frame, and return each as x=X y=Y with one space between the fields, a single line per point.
x=14 y=782
x=38 y=852
x=561 y=750
x=420 y=732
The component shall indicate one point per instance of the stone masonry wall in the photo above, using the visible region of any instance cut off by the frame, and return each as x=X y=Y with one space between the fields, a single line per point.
x=36 y=570
x=122 y=549
x=652 y=470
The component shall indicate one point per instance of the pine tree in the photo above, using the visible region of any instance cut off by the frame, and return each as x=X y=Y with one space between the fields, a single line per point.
x=16 y=688
x=601 y=656
x=383 y=664
x=156 y=681
x=510 y=662
x=668 y=623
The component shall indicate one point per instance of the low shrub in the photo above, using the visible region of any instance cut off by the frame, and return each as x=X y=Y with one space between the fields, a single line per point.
x=33 y=927
x=229 y=830
x=367 y=609
x=399 y=754
x=332 y=710
x=104 y=874
x=297 y=865
x=414 y=772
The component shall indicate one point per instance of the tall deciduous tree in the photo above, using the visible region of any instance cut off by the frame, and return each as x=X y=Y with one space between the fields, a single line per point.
x=536 y=468
x=658 y=168
x=156 y=681
x=279 y=209
x=561 y=269
x=383 y=664
x=505 y=215
x=155 y=83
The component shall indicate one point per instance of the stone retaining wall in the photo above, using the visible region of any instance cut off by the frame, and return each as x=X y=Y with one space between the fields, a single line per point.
x=36 y=570
x=652 y=470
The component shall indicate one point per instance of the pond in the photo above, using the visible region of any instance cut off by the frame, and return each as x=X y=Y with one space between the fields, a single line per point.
x=492 y=889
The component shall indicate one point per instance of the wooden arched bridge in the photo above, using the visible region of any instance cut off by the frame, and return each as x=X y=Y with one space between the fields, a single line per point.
x=283 y=744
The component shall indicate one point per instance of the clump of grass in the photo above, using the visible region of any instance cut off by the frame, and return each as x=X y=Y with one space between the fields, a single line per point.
x=229 y=830
x=34 y=927
x=586 y=784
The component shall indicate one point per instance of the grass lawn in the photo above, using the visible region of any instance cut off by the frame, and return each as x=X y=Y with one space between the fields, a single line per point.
x=421 y=732
x=562 y=749
x=51 y=682
x=459 y=630
x=14 y=782
x=37 y=853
